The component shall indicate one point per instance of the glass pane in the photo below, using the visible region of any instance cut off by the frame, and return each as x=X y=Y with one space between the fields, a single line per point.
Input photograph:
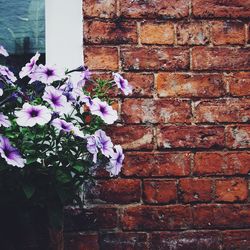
x=22 y=29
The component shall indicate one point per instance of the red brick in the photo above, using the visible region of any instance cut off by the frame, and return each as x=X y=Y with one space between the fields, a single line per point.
x=95 y=218
x=142 y=83
x=239 y=239
x=122 y=241
x=101 y=58
x=221 y=58
x=187 y=85
x=100 y=32
x=154 y=9
x=132 y=137
x=159 y=191
x=227 y=32
x=239 y=83
x=192 y=33
x=238 y=136
x=121 y=191
x=156 y=111
x=80 y=241
x=221 y=216
x=217 y=8
x=147 y=164
x=221 y=163
x=157 y=33
x=190 y=136
x=154 y=58
x=189 y=240
x=195 y=190
x=231 y=190
x=156 y=217
x=248 y=33
x=102 y=9
x=224 y=110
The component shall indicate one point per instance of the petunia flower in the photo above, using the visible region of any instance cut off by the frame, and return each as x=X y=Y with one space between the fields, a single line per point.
x=122 y=84
x=30 y=66
x=67 y=127
x=7 y=73
x=3 y=51
x=56 y=99
x=92 y=146
x=10 y=154
x=1 y=91
x=103 y=110
x=45 y=74
x=105 y=144
x=62 y=125
x=4 y=121
x=115 y=164
x=30 y=115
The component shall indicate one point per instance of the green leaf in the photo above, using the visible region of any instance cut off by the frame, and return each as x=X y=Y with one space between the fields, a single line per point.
x=29 y=190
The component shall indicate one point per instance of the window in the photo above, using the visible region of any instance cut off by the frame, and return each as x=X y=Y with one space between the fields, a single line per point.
x=52 y=27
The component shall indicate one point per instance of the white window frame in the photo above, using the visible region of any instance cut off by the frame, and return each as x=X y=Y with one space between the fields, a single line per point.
x=64 y=33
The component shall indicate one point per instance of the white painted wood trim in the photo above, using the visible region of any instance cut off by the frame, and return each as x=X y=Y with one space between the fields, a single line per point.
x=64 y=33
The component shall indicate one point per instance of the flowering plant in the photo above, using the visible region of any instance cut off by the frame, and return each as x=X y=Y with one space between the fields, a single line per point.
x=51 y=133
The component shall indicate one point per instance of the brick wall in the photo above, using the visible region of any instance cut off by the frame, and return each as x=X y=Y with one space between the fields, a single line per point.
x=185 y=128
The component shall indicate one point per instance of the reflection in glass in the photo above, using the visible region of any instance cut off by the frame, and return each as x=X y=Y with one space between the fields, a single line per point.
x=22 y=29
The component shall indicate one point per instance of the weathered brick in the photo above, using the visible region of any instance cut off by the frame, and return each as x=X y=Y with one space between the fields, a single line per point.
x=101 y=58
x=95 y=218
x=190 y=136
x=238 y=136
x=154 y=58
x=159 y=191
x=103 y=32
x=189 y=240
x=122 y=241
x=187 y=85
x=227 y=32
x=192 y=33
x=132 y=137
x=121 y=191
x=217 y=8
x=221 y=163
x=194 y=189
x=221 y=216
x=156 y=217
x=236 y=239
x=102 y=9
x=239 y=83
x=147 y=164
x=224 y=110
x=142 y=83
x=154 y=9
x=156 y=111
x=221 y=58
x=80 y=241
x=157 y=33
x=231 y=190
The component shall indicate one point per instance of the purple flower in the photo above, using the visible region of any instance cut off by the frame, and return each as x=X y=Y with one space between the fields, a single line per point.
x=86 y=74
x=115 y=164
x=45 y=74
x=3 y=51
x=62 y=125
x=104 y=143
x=67 y=127
x=30 y=66
x=7 y=73
x=30 y=115
x=10 y=154
x=122 y=84
x=4 y=121
x=102 y=109
x=92 y=146
x=56 y=99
